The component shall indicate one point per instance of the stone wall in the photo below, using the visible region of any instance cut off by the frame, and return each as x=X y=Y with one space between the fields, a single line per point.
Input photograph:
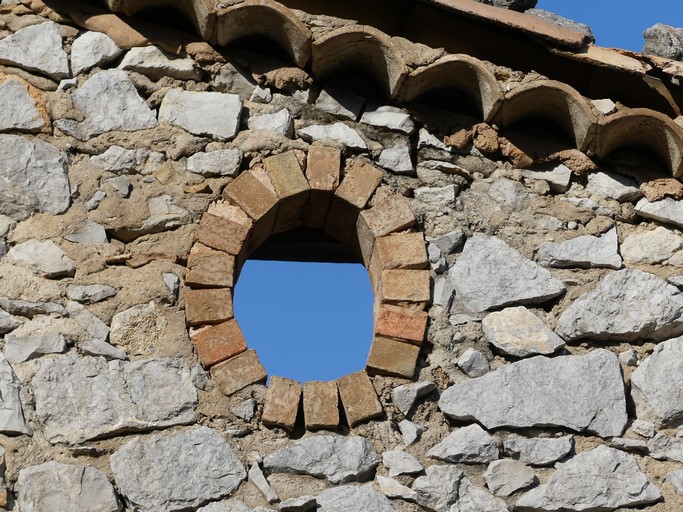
x=523 y=242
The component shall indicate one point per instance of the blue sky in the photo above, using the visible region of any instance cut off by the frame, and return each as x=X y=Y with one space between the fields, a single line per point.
x=312 y=321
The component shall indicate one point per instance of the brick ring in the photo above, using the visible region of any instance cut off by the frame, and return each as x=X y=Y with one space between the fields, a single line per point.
x=275 y=197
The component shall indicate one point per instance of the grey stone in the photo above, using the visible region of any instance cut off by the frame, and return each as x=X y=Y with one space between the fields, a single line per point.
x=108 y=102
x=613 y=186
x=351 y=498
x=437 y=261
x=200 y=378
x=340 y=103
x=211 y=114
x=651 y=247
x=90 y=294
x=137 y=329
x=473 y=363
x=55 y=486
x=514 y=5
x=257 y=478
x=33 y=178
x=29 y=309
x=397 y=159
x=92 y=49
x=339 y=459
x=100 y=348
x=121 y=184
x=668 y=210
x=83 y=398
x=539 y=451
x=12 y=419
x=89 y=322
x=629 y=445
x=338 y=132
x=520 y=333
x=583 y=252
x=300 y=504
x=36 y=48
x=461 y=319
x=644 y=428
x=601 y=479
x=223 y=162
x=491 y=274
x=615 y=309
x=68 y=83
x=427 y=140
x=448 y=242
x=94 y=202
x=400 y=463
x=663 y=447
x=656 y=386
x=44 y=257
x=563 y=22
x=476 y=499
x=410 y=431
x=8 y=322
x=469 y=445
x=675 y=478
x=155 y=64
x=261 y=95
x=89 y=232
x=389 y=117
x=439 y=488
x=558 y=177
x=664 y=41
x=176 y=472
x=118 y=159
x=233 y=79
x=163 y=216
x=439 y=196
x=628 y=357
x=18 y=110
x=279 y=122
x=589 y=204
x=405 y=396
x=509 y=193
x=505 y=477
x=394 y=489
x=579 y=392
x=172 y=282
x=606 y=107
x=20 y=349
x=226 y=506
x=443 y=292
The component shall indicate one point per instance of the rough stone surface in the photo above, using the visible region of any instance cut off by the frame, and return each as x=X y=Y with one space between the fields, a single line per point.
x=563 y=22
x=397 y=159
x=400 y=463
x=223 y=162
x=583 y=252
x=539 y=451
x=579 y=392
x=90 y=294
x=668 y=210
x=36 y=48
x=394 y=489
x=279 y=122
x=520 y=333
x=44 y=257
x=410 y=431
x=202 y=113
x=405 y=396
x=652 y=247
x=389 y=117
x=18 y=110
x=340 y=103
x=664 y=41
x=505 y=477
x=152 y=62
x=490 y=274
x=675 y=478
x=92 y=49
x=12 y=419
x=663 y=447
x=473 y=363
x=19 y=349
x=82 y=398
x=615 y=310
x=470 y=445
x=55 y=486
x=438 y=489
x=601 y=479
x=338 y=132
x=176 y=472
x=349 y=498
x=558 y=178
x=339 y=459
x=613 y=186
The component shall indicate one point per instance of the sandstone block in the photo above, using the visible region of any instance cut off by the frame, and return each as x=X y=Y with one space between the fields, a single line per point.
x=282 y=403
x=216 y=343
x=238 y=372
x=323 y=169
x=401 y=323
x=404 y=250
x=221 y=233
x=321 y=405
x=359 y=398
x=208 y=268
x=208 y=306
x=392 y=214
x=291 y=188
x=409 y=287
x=391 y=357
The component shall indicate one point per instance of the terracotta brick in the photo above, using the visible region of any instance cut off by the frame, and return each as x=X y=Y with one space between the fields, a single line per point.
x=216 y=343
x=359 y=398
x=282 y=403
x=210 y=306
x=405 y=287
x=401 y=323
x=291 y=187
x=221 y=233
x=391 y=357
x=391 y=215
x=238 y=372
x=402 y=250
x=323 y=171
x=209 y=268
x=321 y=405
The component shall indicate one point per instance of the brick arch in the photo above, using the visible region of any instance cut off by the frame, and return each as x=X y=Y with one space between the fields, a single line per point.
x=296 y=189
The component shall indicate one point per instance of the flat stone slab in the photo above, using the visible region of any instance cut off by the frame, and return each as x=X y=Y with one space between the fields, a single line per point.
x=55 y=486
x=18 y=109
x=668 y=210
x=83 y=398
x=583 y=252
x=338 y=132
x=657 y=385
x=155 y=64
x=223 y=162
x=615 y=309
x=36 y=48
x=350 y=498
x=92 y=49
x=339 y=459
x=578 y=392
x=601 y=479
x=45 y=257
x=651 y=247
x=19 y=349
x=176 y=472
x=505 y=477
x=539 y=451
x=613 y=186
x=12 y=419
x=490 y=274
x=470 y=445
x=33 y=178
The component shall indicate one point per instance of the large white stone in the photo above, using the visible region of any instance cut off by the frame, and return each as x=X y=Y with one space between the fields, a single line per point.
x=583 y=252
x=22 y=348
x=338 y=132
x=36 y=48
x=18 y=109
x=613 y=186
x=651 y=247
x=668 y=210
x=154 y=63
x=538 y=451
x=45 y=257
x=558 y=178
x=223 y=162
x=92 y=49
x=505 y=477
x=211 y=114
x=279 y=122
x=12 y=419
x=397 y=159
x=389 y=117
x=470 y=445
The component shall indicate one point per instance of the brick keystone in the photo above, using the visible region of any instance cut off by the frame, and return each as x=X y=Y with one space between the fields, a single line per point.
x=209 y=268
x=211 y=306
x=323 y=171
x=401 y=323
x=359 y=398
x=321 y=405
x=405 y=287
x=238 y=372
x=282 y=403
x=391 y=215
x=391 y=357
x=221 y=233
x=216 y=343
x=291 y=187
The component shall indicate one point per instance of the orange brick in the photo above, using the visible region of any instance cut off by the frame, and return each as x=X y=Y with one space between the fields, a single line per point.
x=211 y=306
x=238 y=372
x=401 y=323
x=391 y=357
x=321 y=405
x=405 y=287
x=282 y=403
x=209 y=268
x=216 y=343
x=359 y=398
x=402 y=250
x=391 y=215
x=291 y=187
x=323 y=172
x=221 y=233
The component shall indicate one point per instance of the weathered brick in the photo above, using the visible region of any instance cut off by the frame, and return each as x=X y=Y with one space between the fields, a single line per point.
x=221 y=233
x=238 y=372
x=402 y=250
x=359 y=398
x=210 y=306
x=391 y=357
x=216 y=343
x=282 y=403
x=291 y=187
x=401 y=323
x=323 y=171
x=388 y=216
x=209 y=268
x=405 y=287
x=321 y=405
